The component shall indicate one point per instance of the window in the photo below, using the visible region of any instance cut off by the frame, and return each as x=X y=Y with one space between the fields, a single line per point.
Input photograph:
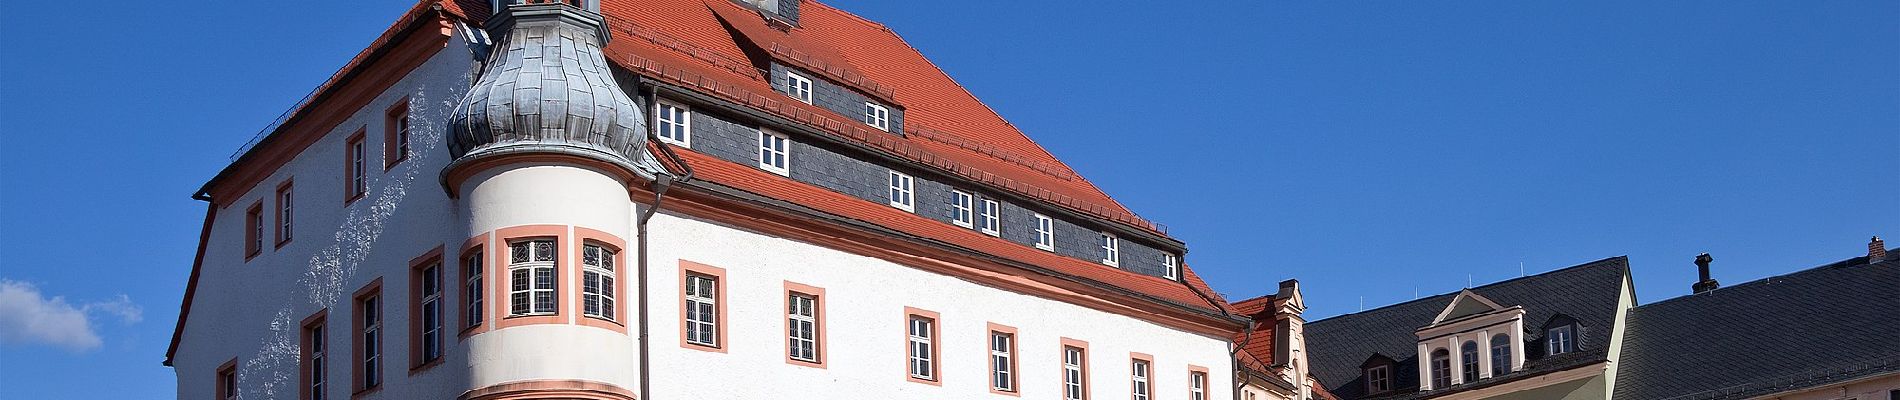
x=531 y=278
x=1111 y=250
x=427 y=342
x=1500 y=354
x=359 y=181
x=369 y=337
x=227 y=381
x=1074 y=361
x=798 y=86
x=1197 y=385
x=877 y=116
x=923 y=350
x=597 y=282
x=702 y=311
x=283 y=214
x=961 y=208
x=673 y=123
x=992 y=217
x=1468 y=358
x=472 y=292
x=396 y=134
x=902 y=190
x=1139 y=373
x=774 y=151
x=801 y=323
x=1378 y=379
x=315 y=358
x=1002 y=358
x=1441 y=369
x=254 y=230
x=1045 y=233
x=1170 y=266
x=1562 y=339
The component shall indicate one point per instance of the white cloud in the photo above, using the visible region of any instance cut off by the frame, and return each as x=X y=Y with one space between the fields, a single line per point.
x=29 y=317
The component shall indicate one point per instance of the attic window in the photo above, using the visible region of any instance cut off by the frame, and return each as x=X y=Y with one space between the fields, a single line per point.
x=1378 y=379
x=877 y=116
x=1561 y=339
x=799 y=87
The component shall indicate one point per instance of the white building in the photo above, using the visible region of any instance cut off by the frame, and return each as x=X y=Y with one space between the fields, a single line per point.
x=472 y=209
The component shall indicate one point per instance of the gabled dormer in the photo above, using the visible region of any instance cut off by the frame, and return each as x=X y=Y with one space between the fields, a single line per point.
x=1473 y=338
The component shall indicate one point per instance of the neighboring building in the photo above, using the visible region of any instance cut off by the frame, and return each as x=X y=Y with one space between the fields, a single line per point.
x=1826 y=333
x=471 y=209
x=1548 y=336
x=1272 y=361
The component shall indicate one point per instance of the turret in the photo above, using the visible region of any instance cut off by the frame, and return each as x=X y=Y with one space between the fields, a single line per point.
x=547 y=88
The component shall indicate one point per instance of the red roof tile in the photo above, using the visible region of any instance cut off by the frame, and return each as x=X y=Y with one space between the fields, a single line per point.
x=687 y=43
x=1260 y=344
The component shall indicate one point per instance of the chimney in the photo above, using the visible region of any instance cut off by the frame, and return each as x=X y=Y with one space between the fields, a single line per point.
x=1702 y=267
x=1876 y=250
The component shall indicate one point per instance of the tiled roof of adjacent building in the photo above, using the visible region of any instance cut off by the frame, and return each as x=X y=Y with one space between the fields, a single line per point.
x=1589 y=293
x=1829 y=324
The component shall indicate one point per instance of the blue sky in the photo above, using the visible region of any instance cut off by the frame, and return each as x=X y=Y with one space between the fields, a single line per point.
x=1370 y=149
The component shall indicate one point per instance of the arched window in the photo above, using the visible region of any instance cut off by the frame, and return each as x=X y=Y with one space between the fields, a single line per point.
x=1468 y=357
x=1500 y=355
x=1441 y=369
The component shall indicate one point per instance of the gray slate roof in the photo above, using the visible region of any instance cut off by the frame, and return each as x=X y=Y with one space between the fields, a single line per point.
x=1337 y=346
x=1829 y=324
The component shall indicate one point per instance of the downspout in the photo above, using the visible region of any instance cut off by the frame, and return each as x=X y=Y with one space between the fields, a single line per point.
x=661 y=182
x=1233 y=355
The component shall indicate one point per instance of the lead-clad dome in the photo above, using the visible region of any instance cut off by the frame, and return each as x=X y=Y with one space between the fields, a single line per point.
x=547 y=88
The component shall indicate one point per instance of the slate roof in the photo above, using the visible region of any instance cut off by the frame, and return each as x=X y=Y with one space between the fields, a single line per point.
x=1337 y=346
x=1829 y=324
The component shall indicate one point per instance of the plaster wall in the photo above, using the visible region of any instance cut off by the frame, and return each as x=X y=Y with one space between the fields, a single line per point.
x=865 y=306
x=251 y=310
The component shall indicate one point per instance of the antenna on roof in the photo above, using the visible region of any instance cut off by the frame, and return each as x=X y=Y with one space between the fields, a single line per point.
x=1467 y=280
x=1414 y=293
x=1520 y=269
x=1362 y=303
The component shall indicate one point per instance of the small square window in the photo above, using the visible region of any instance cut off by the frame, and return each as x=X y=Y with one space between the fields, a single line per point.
x=673 y=123
x=877 y=116
x=774 y=152
x=799 y=87
x=903 y=191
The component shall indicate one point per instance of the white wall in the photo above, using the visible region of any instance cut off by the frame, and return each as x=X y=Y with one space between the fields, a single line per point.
x=865 y=300
x=252 y=310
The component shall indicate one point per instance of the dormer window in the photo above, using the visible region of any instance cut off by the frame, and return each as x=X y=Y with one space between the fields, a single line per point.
x=1111 y=250
x=1441 y=369
x=1500 y=355
x=1468 y=359
x=799 y=87
x=1378 y=379
x=1170 y=266
x=877 y=116
x=1561 y=339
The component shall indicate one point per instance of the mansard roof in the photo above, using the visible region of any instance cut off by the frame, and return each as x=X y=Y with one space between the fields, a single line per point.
x=1829 y=324
x=1337 y=346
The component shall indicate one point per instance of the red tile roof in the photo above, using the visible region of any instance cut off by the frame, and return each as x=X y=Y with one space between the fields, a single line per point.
x=687 y=43
x=1260 y=344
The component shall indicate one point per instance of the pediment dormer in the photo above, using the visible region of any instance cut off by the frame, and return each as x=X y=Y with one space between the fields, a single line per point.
x=1468 y=303
x=1473 y=338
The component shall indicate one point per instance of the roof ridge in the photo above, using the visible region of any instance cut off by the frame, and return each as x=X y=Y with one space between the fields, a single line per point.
x=1544 y=274
x=1850 y=262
